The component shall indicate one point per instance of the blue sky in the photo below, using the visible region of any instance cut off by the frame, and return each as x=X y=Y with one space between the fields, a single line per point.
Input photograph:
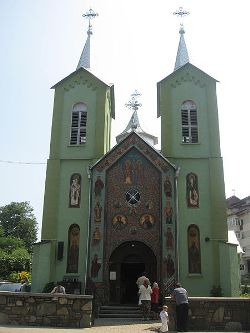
x=41 y=42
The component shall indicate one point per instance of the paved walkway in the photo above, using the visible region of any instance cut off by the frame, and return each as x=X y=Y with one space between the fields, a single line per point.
x=101 y=326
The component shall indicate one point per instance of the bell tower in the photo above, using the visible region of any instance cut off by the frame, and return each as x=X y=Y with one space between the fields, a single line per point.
x=187 y=105
x=80 y=135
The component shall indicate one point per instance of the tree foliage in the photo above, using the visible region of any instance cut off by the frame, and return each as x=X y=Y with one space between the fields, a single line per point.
x=17 y=221
x=18 y=231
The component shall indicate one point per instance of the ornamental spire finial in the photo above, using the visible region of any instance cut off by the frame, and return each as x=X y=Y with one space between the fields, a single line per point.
x=133 y=103
x=85 y=56
x=180 y=12
x=182 y=54
x=89 y=16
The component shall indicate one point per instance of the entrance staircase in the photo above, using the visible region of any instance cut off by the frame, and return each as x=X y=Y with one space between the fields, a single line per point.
x=120 y=312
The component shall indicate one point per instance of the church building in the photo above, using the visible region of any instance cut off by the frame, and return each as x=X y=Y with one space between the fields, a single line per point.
x=111 y=213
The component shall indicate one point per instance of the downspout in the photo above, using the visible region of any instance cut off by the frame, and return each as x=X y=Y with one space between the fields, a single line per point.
x=89 y=173
x=177 y=172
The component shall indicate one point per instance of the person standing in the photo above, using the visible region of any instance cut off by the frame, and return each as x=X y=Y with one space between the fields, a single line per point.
x=145 y=292
x=155 y=300
x=180 y=296
x=164 y=319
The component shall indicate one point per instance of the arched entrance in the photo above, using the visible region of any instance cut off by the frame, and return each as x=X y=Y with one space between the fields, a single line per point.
x=126 y=264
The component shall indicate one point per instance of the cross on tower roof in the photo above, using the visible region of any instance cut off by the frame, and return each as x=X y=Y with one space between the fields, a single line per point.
x=85 y=56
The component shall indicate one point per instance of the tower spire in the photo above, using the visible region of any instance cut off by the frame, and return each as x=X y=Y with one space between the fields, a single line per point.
x=85 y=56
x=134 y=124
x=182 y=54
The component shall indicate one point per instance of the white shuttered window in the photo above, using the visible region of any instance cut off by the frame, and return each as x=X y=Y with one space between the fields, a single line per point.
x=189 y=122
x=78 y=124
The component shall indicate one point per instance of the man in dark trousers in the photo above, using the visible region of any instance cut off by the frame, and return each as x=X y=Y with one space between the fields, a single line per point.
x=180 y=296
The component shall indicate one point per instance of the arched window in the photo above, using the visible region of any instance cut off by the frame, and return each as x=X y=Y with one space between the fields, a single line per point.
x=73 y=248
x=78 y=124
x=194 y=252
x=189 y=123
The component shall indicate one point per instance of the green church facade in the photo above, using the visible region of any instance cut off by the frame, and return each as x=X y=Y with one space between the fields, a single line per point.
x=112 y=213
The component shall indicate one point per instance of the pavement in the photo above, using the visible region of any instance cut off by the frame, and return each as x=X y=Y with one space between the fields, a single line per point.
x=100 y=326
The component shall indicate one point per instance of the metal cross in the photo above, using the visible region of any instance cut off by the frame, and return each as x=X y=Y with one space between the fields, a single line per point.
x=181 y=13
x=133 y=103
x=90 y=15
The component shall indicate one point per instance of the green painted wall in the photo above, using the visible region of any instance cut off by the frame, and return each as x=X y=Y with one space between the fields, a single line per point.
x=42 y=266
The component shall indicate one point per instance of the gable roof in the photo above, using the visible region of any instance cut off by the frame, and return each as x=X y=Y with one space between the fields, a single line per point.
x=188 y=65
x=121 y=148
x=185 y=68
x=77 y=71
x=94 y=78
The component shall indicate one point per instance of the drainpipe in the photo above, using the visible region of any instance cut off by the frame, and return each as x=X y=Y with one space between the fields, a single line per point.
x=89 y=173
x=177 y=172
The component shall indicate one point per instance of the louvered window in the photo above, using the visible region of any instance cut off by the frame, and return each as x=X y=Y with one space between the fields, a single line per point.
x=189 y=122
x=78 y=124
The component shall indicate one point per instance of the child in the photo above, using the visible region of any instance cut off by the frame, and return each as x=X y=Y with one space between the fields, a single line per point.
x=164 y=319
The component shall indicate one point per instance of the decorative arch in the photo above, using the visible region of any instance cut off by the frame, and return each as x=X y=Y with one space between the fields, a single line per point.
x=192 y=190
x=78 y=124
x=189 y=122
x=73 y=248
x=75 y=190
x=194 y=252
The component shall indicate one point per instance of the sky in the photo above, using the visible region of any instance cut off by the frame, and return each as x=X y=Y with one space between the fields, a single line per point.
x=134 y=45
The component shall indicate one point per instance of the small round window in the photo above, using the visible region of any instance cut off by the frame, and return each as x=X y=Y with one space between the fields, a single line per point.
x=133 y=197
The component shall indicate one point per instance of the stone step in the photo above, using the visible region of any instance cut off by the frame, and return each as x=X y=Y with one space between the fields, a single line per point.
x=119 y=311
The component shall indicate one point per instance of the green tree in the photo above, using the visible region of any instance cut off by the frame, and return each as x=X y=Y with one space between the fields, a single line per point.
x=18 y=223
x=18 y=231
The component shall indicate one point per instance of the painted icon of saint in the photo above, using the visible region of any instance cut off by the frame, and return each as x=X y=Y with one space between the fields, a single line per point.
x=75 y=190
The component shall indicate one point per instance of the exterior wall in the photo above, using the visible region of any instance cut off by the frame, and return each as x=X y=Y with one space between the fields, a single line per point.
x=45 y=310
x=204 y=160
x=44 y=253
x=214 y=314
x=229 y=272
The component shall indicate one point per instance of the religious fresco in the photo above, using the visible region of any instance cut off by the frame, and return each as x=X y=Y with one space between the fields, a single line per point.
x=75 y=191
x=194 y=254
x=147 y=221
x=168 y=266
x=119 y=222
x=133 y=195
x=168 y=188
x=132 y=200
x=95 y=266
x=98 y=187
x=97 y=236
x=73 y=248
x=169 y=238
x=168 y=210
x=192 y=191
x=98 y=212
